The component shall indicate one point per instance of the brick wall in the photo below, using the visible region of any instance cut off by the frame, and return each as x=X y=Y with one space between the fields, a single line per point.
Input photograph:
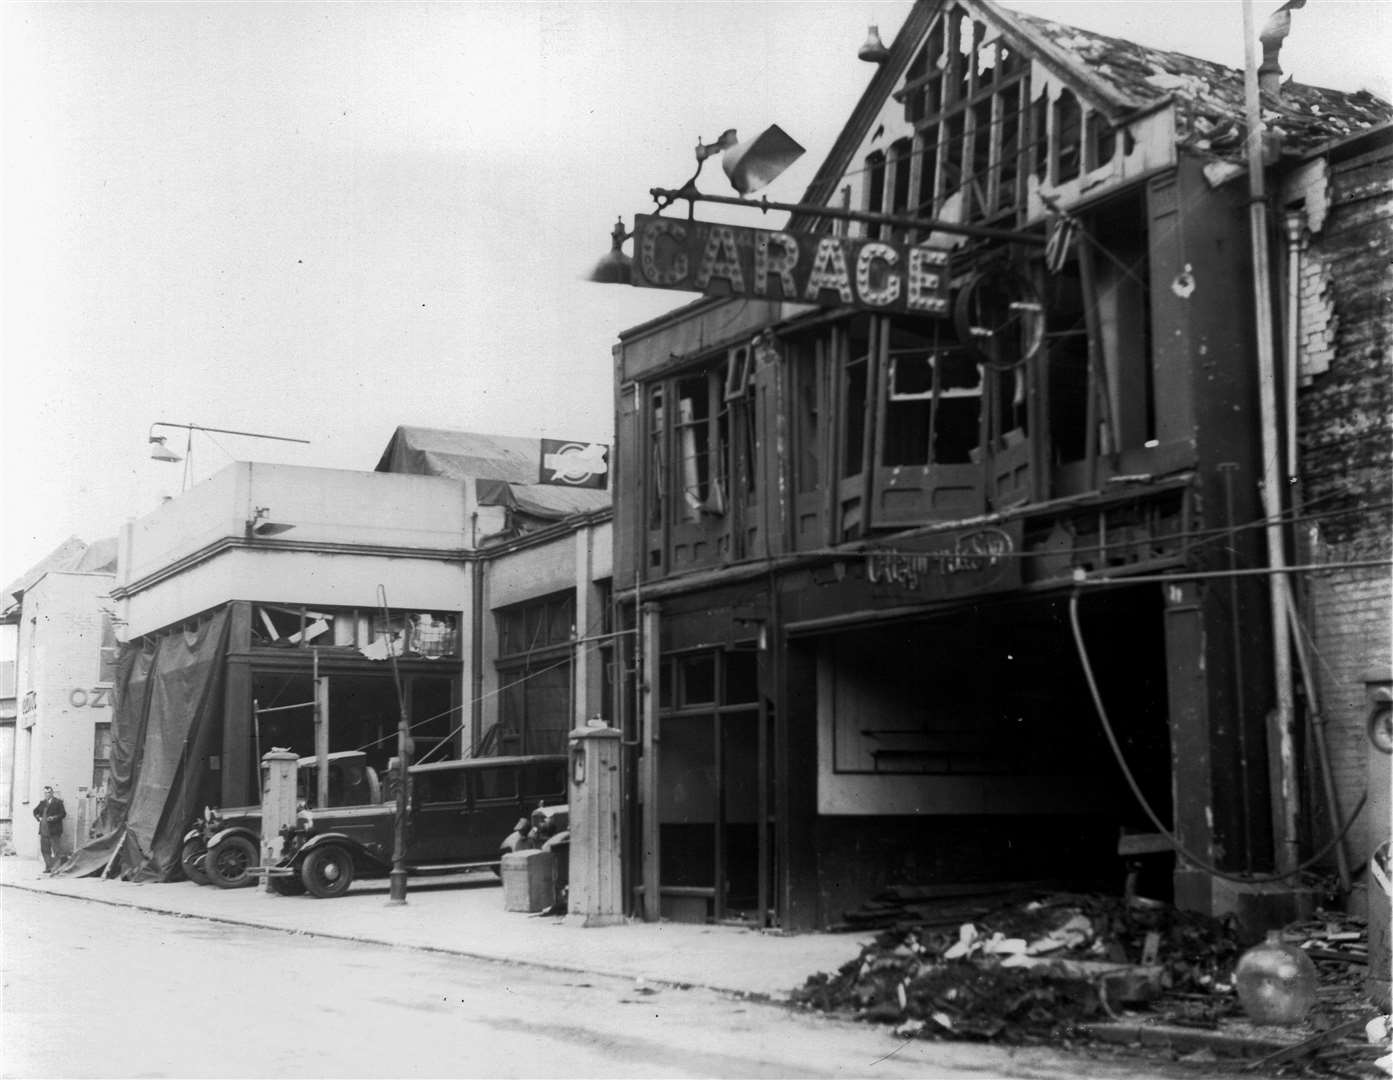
x=1345 y=417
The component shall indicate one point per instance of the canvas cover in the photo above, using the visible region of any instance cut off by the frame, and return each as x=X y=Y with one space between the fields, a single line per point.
x=505 y=468
x=165 y=724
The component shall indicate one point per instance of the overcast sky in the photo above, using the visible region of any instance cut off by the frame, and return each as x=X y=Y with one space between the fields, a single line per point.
x=325 y=220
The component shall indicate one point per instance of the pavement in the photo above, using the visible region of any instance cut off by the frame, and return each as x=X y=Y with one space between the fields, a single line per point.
x=464 y=915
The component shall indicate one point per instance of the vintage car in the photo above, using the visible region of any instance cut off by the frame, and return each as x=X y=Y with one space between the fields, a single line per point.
x=457 y=810
x=223 y=845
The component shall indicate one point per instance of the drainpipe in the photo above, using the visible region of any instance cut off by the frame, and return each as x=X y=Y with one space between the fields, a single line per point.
x=476 y=656
x=1296 y=247
x=1296 y=244
x=1281 y=748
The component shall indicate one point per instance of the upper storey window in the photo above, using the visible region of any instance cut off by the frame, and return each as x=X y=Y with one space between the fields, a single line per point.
x=967 y=96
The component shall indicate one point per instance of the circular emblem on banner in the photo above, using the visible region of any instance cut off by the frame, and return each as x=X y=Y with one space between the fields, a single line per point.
x=577 y=463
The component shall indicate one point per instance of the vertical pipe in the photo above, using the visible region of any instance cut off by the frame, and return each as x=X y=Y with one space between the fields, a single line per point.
x=1226 y=469
x=321 y=736
x=648 y=766
x=1296 y=231
x=1296 y=237
x=1282 y=753
x=476 y=656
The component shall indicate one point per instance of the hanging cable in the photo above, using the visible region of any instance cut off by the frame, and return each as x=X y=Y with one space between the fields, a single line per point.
x=1181 y=850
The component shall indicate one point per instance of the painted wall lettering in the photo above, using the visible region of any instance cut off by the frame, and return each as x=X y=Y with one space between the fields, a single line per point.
x=98 y=697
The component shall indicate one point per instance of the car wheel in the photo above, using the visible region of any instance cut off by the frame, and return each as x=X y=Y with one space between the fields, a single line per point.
x=191 y=857
x=327 y=872
x=229 y=863
x=287 y=885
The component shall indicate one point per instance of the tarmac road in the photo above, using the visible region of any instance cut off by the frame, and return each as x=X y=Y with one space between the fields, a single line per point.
x=100 y=990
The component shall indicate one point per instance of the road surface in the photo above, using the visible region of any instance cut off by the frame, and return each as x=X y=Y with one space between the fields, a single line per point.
x=92 y=989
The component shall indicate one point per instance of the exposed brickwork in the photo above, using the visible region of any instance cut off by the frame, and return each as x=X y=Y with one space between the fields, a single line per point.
x=1348 y=615
x=1345 y=415
x=1320 y=325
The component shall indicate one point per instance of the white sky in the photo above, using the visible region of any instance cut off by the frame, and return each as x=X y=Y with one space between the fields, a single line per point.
x=323 y=220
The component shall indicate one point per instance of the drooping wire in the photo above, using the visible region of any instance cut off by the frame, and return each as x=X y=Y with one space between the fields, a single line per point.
x=1142 y=801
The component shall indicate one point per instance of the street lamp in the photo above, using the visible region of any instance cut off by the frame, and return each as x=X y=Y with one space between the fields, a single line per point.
x=161 y=452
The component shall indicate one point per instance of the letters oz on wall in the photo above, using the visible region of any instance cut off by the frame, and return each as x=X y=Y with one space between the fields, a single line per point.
x=98 y=697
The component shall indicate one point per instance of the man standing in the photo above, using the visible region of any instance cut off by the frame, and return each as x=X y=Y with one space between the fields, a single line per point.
x=50 y=814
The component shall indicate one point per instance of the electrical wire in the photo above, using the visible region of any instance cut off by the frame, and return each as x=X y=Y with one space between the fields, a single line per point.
x=1180 y=849
x=528 y=675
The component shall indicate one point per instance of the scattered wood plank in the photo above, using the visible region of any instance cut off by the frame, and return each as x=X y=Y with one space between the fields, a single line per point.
x=1309 y=1046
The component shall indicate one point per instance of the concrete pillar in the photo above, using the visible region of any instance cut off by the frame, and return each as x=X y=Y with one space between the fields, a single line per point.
x=278 y=768
x=596 y=876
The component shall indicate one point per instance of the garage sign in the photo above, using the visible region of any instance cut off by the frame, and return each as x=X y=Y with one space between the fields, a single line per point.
x=808 y=268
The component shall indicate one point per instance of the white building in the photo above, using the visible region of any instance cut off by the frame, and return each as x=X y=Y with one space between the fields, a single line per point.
x=57 y=732
x=451 y=576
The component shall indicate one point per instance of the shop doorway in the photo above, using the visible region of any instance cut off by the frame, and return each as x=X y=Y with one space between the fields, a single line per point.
x=710 y=799
x=965 y=747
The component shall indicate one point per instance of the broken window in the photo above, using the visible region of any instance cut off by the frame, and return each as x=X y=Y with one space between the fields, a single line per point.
x=934 y=404
x=736 y=428
x=700 y=481
x=1068 y=137
x=875 y=188
x=855 y=375
x=1040 y=136
x=965 y=93
x=430 y=634
x=1101 y=142
x=657 y=477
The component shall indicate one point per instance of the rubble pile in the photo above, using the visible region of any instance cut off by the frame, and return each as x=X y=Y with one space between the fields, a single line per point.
x=1062 y=966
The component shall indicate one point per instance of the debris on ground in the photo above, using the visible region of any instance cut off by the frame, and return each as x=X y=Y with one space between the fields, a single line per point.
x=1132 y=972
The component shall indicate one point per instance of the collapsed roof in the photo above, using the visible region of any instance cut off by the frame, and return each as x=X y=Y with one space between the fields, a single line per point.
x=1210 y=96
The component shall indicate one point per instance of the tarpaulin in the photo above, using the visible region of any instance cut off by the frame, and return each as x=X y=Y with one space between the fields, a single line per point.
x=461 y=455
x=504 y=467
x=166 y=723
x=541 y=500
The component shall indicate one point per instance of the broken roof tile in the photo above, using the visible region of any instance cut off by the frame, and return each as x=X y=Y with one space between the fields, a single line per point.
x=1305 y=116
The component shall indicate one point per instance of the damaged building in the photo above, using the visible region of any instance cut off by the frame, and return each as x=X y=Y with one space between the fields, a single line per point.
x=940 y=521
x=449 y=586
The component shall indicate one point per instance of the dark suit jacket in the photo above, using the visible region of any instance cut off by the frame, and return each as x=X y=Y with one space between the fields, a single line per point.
x=50 y=814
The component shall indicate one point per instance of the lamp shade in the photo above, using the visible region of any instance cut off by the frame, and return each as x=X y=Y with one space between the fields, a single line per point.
x=873 y=51
x=753 y=164
x=614 y=267
x=160 y=452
